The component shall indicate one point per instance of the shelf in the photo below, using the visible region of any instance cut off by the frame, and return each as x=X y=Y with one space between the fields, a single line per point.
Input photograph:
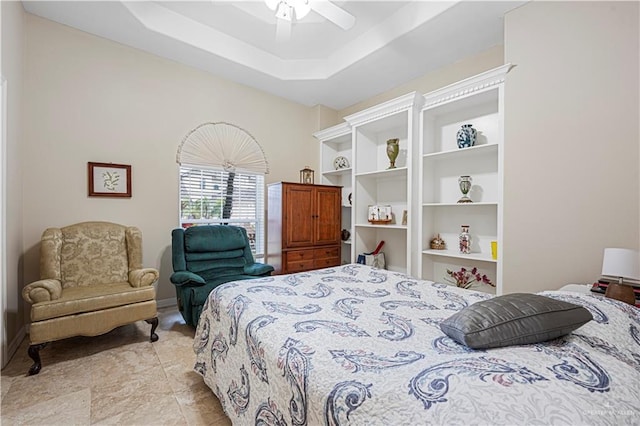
x=481 y=257
x=489 y=203
x=463 y=152
x=348 y=242
x=388 y=226
x=387 y=173
x=339 y=172
x=441 y=173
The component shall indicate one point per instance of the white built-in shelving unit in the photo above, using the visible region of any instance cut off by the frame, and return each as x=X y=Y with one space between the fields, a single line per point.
x=336 y=142
x=374 y=183
x=479 y=101
x=425 y=180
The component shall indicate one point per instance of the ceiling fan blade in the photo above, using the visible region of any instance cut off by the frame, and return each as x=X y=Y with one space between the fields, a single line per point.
x=283 y=30
x=333 y=13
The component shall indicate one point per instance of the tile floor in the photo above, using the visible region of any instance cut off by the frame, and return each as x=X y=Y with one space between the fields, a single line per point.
x=118 y=378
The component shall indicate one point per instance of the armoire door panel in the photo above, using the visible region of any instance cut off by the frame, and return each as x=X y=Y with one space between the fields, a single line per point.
x=299 y=216
x=327 y=222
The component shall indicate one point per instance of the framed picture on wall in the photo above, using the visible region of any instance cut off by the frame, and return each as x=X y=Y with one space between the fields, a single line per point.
x=109 y=180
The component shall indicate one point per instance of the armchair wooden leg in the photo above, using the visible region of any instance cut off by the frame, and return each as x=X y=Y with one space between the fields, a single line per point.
x=154 y=325
x=34 y=354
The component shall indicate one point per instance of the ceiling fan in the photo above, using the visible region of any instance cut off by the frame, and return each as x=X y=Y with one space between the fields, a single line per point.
x=288 y=10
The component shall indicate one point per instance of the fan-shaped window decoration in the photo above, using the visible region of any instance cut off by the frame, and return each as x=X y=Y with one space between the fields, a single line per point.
x=222 y=171
x=222 y=145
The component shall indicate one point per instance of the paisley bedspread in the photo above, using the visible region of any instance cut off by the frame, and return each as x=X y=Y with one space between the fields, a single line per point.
x=362 y=346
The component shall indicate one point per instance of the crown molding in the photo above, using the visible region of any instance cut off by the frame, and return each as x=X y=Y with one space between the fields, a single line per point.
x=401 y=103
x=333 y=132
x=464 y=87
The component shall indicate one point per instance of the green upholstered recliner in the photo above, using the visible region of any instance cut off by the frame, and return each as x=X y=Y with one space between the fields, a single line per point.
x=205 y=257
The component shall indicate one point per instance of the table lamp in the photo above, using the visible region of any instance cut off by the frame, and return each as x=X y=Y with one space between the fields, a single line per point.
x=621 y=264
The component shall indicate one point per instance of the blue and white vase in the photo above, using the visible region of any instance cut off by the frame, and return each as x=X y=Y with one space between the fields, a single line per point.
x=466 y=136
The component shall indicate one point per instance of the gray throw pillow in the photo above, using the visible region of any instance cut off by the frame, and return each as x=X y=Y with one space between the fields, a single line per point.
x=514 y=319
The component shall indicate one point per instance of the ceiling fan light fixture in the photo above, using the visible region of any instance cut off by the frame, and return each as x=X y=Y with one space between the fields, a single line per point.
x=301 y=7
x=284 y=11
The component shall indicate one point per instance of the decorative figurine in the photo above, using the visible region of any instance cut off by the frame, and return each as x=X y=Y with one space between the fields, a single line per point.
x=341 y=163
x=306 y=175
x=466 y=136
x=437 y=243
x=465 y=240
x=465 y=185
x=393 y=148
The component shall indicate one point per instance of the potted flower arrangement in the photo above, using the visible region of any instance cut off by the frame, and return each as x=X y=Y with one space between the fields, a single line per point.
x=466 y=279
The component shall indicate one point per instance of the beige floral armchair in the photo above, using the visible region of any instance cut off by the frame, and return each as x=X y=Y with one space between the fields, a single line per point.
x=91 y=281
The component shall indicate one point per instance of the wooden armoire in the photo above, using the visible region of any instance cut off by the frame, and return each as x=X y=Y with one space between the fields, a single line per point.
x=303 y=230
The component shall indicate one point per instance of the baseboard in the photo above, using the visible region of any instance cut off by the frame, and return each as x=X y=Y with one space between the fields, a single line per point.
x=15 y=344
x=166 y=303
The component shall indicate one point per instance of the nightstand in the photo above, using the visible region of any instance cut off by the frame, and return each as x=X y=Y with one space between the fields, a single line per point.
x=621 y=292
x=586 y=289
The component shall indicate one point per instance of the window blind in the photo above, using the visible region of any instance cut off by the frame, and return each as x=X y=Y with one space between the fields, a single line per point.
x=215 y=196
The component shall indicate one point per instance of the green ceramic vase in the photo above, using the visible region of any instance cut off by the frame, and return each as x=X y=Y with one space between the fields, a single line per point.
x=393 y=148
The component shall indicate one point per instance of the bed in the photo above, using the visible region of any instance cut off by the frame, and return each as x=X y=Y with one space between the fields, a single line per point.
x=363 y=346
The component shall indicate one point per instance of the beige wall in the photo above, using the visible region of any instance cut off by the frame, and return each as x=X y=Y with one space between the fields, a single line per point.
x=572 y=110
x=90 y=99
x=12 y=70
x=325 y=117
x=437 y=79
x=571 y=140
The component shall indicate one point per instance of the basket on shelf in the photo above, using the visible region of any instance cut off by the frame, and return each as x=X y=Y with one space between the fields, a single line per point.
x=437 y=243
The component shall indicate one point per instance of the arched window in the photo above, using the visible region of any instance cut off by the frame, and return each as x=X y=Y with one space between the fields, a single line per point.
x=222 y=170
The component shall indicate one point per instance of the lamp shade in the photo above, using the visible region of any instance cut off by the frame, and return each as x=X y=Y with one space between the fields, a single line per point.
x=621 y=263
